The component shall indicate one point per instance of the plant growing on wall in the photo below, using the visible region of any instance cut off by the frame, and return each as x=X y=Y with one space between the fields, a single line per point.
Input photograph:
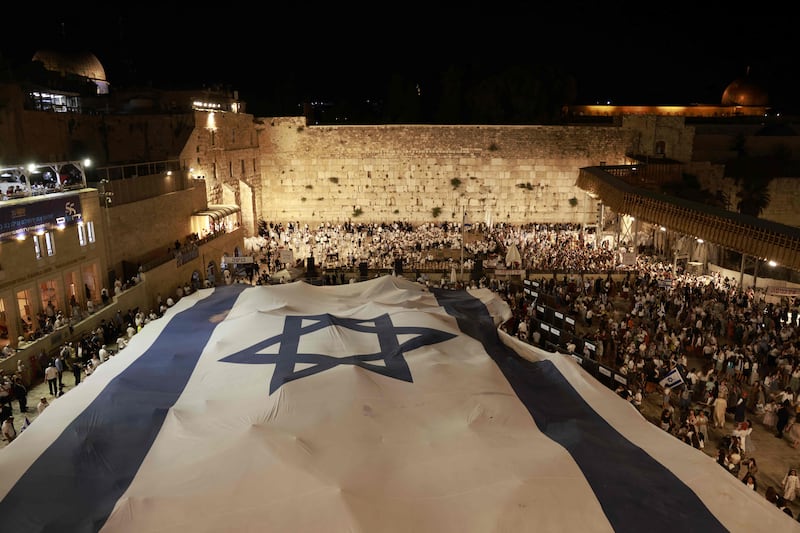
x=357 y=212
x=309 y=186
x=573 y=201
x=436 y=211
x=455 y=182
x=303 y=199
x=493 y=147
x=396 y=211
x=526 y=186
x=333 y=179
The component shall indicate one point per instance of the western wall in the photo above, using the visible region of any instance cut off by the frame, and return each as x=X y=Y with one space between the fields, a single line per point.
x=423 y=173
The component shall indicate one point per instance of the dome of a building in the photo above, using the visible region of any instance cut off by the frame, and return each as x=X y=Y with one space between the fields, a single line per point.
x=745 y=92
x=79 y=63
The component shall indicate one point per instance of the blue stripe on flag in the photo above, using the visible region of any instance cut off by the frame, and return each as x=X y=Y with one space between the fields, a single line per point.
x=90 y=465
x=621 y=474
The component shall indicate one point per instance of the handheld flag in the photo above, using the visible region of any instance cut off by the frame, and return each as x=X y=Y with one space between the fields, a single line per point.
x=672 y=379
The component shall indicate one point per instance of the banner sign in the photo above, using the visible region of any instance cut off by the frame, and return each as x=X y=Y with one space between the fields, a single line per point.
x=36 y=215
x=783 y=291
x=237 y=260
x=509 y=272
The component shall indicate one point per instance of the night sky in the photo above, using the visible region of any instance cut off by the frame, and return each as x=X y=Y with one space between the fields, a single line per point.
x=573 y=52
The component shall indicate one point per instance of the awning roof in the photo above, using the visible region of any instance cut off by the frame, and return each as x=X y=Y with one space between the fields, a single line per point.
x=218 y=212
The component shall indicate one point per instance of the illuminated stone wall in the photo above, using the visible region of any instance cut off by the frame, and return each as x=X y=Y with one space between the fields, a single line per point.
x=514 y=174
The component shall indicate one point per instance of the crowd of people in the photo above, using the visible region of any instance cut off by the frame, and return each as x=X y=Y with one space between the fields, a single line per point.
x=80 y=359
x=744 y=350
x=646 y=320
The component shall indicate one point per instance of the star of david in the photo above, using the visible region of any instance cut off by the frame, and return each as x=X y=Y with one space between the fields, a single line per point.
x=388 y=360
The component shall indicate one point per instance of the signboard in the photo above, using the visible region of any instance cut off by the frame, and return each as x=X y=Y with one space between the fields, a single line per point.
x=509 y=272
x=544 y=326
x=590 y=346
x=577 y=358
x=603 y=370
x=36 y=215
x=628 y=258
x=558 y=315
x=286 y=256
x=570 y=321
x=783 y=291
x=620 y=379
x=237 y=260
x=555 y=332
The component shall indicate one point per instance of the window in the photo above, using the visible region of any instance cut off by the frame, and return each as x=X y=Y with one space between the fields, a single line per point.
x=661 y=148
x=50 y=243
x=81 y=234
x=90 y=228
x=37 y=247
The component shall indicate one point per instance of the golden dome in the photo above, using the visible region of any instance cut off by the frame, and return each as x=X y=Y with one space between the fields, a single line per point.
x=79 y=63
x=745 y=92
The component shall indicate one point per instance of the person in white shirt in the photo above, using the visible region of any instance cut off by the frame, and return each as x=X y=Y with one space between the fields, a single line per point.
x=42 y=405
x=102 y=354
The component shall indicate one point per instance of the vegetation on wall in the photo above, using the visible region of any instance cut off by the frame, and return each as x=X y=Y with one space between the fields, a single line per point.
x=753 y=196
x=526 y=186
x=309 y=186
x=493 y=147
x=436 y=211
x=333 y=179
x=357 y=212
x=573 y=201
x=455 y=182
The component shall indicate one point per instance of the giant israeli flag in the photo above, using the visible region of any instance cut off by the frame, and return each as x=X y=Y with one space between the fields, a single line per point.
x=372 y=407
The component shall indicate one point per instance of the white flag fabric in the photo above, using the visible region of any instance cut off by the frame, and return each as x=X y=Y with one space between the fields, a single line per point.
x=672 y=379
x=379 y=406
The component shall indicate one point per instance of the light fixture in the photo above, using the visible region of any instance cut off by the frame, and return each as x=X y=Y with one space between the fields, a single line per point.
x=699 y=240
x=772 y=263
x=662 y=228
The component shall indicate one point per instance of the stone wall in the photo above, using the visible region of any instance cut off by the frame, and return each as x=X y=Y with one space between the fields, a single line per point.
x=514 y=174
x=784 y=204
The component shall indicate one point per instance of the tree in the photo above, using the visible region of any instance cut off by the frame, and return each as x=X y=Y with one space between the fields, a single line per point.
x=753 y=197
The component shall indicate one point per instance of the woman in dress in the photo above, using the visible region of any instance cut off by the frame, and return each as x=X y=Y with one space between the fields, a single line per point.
x=790 y=484
x=793 y=431
x=701 y=423
x=794 y=380
x=770 y=415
